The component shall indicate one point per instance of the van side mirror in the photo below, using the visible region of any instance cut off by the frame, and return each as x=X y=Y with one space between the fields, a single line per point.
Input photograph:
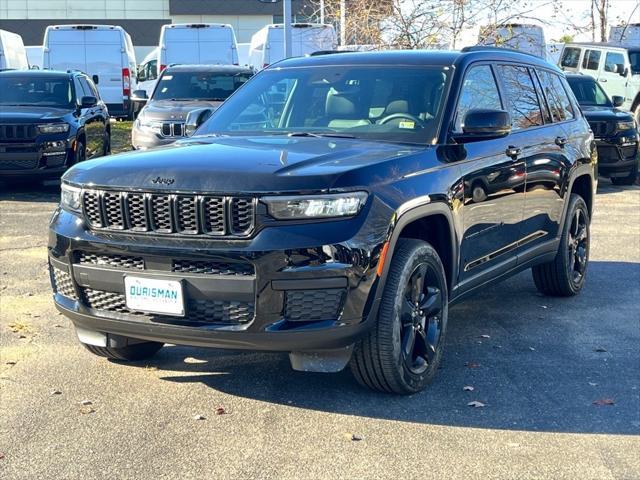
x=139 y=96
x=621 y=70
x=617 y=100
x=88 y=102
x=484 y=124
x=195 y=118
x=96 y=79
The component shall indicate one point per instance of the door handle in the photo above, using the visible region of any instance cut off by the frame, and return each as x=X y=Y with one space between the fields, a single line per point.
x=513 y=152
x=561 y=141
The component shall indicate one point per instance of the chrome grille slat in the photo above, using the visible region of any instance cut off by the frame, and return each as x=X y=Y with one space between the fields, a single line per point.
x=169 y=213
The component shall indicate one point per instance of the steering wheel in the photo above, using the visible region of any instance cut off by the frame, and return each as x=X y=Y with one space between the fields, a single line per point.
x=395 y=116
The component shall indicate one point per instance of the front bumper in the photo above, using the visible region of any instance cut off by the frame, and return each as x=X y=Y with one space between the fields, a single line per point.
x=35 y=158
x=617 y=156
x=308 y=296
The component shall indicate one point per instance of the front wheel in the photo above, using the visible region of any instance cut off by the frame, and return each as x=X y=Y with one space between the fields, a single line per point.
x=402 y=352
x=565 y=275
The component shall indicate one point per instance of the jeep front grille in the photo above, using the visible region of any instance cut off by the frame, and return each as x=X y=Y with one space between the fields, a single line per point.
x=17 y=132
x=169 y=213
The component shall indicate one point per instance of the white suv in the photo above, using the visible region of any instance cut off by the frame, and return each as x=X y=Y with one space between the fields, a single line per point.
x=614 y=66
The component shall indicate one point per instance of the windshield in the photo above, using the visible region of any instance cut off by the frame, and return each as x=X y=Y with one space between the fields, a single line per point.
x=39 y=91
x=214 y=86
x=391 y=103
x=588 y=92
x=634 y=58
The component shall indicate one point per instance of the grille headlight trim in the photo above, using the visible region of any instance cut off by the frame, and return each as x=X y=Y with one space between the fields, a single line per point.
x=53 y=128
x=315 y=206
x=71 y=198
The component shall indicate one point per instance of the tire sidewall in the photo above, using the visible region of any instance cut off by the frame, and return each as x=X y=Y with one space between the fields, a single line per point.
x=422 y=253
x=576 y=203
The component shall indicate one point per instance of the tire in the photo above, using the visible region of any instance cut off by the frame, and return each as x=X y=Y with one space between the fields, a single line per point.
x=81 y=151
x=565 y=275
x=136 y=351
x=402 y=352
x=107 y=144
x=629 y=179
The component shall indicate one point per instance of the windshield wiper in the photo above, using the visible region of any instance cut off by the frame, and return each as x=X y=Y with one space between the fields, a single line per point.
x=318 y=135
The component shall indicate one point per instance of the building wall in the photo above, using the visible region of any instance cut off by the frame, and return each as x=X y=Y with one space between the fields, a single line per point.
x=98 y=9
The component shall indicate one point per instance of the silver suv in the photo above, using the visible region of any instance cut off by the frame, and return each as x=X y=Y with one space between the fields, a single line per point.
x=616 y=67
x=180 y=90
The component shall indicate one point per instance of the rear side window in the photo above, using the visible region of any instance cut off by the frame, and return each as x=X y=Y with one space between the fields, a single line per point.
x=89 y=87
x=591 y=60
x=523 y=100
x=557 y=97
x=479 y=90
x=614 y=62
x=570 y=57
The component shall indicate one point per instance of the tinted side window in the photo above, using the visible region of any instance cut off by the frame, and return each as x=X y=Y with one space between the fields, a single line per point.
x=570 y=57
x=79 y=90
x=591 y=59
x=85 y=87
x=152 y=70
x=479 y=90
x=612 y=60
x=90 y=86
x=557 y=97
x=523 y=101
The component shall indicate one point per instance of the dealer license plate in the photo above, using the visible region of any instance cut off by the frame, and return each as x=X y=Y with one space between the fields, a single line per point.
x=150 y=295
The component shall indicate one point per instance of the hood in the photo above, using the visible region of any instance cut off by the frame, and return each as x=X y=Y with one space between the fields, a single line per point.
x=174 y=110
x=27 y=114
x=253 y=164
x=597 y=113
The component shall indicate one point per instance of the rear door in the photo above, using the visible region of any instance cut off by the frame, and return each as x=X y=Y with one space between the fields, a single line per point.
x=181 y=46
x=217 y=45
x=65 y=50
x=104 y=58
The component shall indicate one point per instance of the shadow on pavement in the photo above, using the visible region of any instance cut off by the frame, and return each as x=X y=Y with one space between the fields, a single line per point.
x=546 y=361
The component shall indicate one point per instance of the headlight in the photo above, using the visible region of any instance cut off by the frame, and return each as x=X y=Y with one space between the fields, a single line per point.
x=71 y=198
x=54 y=128
x=150 y=125
x=629 y=125
x=316 y=206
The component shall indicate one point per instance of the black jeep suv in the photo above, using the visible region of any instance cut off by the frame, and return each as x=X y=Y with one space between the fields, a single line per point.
x=48 y=121
x=333 y=208
x=615 y=130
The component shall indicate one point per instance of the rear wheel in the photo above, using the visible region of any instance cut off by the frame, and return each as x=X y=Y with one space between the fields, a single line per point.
x=136 y=351
x=402 y=352
x=81 y=151
x=564 y=276
x=107 y=143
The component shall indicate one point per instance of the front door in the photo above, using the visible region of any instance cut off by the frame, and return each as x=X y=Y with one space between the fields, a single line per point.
x=611 y=78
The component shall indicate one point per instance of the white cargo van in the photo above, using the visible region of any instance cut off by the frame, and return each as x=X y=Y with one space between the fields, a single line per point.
x=627 y=35
x=243 y=53
x=267 y=44
x=197 y=44
x=104 y=52
x=525 y=37
x=12 y=52
x=148 y=72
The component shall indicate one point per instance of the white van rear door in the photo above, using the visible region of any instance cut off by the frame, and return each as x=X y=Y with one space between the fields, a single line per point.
x=181 y=46
x=65 y=50
x=104 y=58
x=216 y=46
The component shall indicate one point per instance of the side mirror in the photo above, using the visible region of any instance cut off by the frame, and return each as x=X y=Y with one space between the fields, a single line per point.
x=484 y=124
x=622 y=70
x=88 y=102
x=195 y=118
x=96 y=79
x=617 y=100
x=139 y=96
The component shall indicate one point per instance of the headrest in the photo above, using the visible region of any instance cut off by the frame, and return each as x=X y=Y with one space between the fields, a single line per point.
x=397 y=106
x=339 y=106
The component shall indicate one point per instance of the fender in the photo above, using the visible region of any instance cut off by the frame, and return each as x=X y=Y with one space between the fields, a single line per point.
x=582 y=169
x=415 y=209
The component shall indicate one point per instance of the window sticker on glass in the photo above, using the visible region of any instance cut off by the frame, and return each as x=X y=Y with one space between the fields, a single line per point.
x=167 y=77
x=407 y=124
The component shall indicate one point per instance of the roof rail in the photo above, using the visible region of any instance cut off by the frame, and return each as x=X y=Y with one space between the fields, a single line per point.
x=491 y=48
x=328 y=52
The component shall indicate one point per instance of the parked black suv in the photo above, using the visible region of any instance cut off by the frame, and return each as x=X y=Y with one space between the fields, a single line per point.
x=48 y=121
x=615 y=130
x=327 y=210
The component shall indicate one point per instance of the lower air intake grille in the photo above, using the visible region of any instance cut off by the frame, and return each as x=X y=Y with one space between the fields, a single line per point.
x=115 y=261
x=198 y=311
x=212 y=268
x=304 y=305
x=62 y=283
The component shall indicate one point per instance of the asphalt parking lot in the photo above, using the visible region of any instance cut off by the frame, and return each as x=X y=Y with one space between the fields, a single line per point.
x=537 y=364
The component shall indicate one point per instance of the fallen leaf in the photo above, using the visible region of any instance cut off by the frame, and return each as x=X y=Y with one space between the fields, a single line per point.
x=599 y=349
x=356 y=438
x=10 y=362
x=1 y=456
x=476 y=404
x=220 y=410
x=56 y=392
x=86 y=410
x=485 y=336
x=199 y=417
x=604 y=401
x=467 y=388
x=86 y=402
x=472 y=365
x=194 y=360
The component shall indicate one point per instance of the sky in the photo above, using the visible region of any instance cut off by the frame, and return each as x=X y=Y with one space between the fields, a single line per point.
x=571 y=12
